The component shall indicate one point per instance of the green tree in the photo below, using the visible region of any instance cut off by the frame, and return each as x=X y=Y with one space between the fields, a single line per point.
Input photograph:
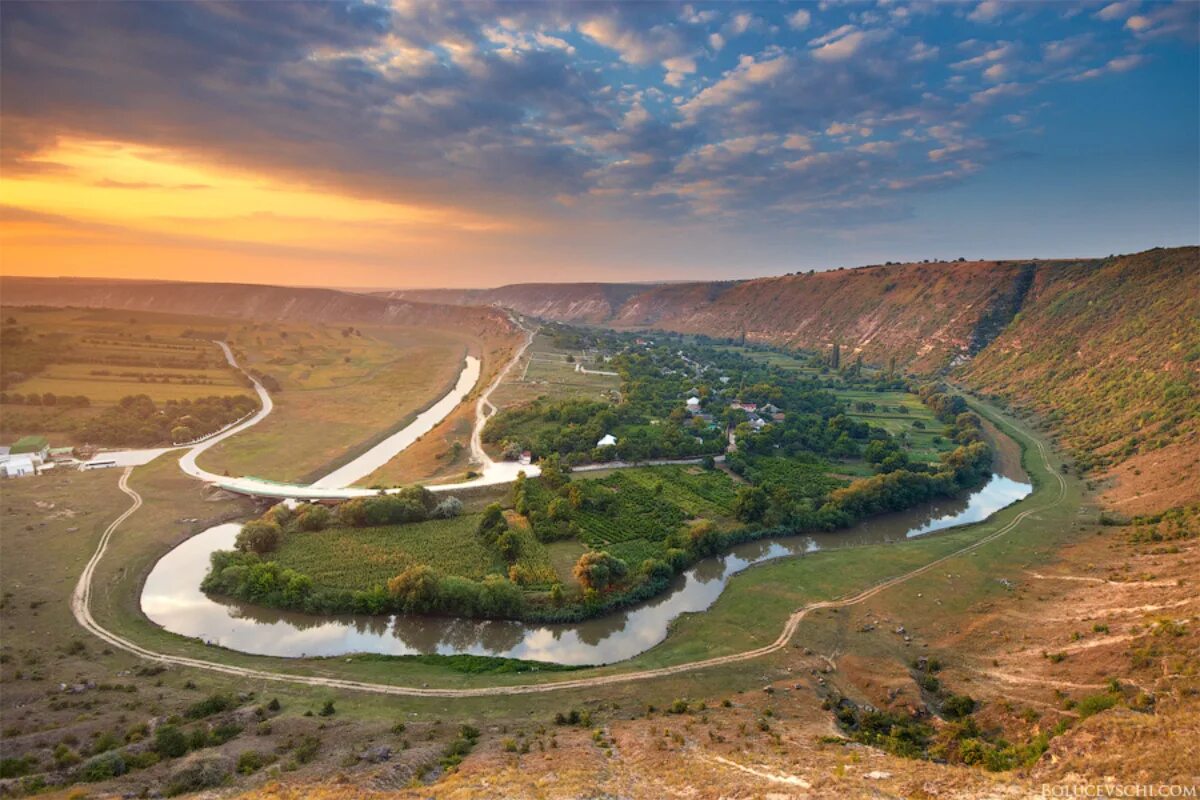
x=258 y=536
x=751 y=503
x=597 y=571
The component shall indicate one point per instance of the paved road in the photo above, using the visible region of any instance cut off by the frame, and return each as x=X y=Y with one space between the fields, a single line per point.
x=80 y=608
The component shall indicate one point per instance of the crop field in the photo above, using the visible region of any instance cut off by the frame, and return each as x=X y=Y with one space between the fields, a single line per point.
x=810 y=480
x=795 y=363
x=337 y=390
x=700 y=493
x=104 y=356
x=923 y=444
x=654 y=502
x=361 y=558
x=544 y=371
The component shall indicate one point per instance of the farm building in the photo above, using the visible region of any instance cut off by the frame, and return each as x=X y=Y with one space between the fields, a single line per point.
x=19 y=466
x=36 y=446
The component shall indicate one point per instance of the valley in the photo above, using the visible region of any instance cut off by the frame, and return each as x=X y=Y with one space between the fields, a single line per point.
x=826 y=623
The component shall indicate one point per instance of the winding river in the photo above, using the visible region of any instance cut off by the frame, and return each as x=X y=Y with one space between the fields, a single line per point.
x=172 y=598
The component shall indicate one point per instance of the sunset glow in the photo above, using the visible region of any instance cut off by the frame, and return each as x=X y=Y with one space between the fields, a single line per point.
x=416 y=144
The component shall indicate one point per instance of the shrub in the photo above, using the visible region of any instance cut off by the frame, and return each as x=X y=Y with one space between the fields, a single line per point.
x=957 y=706
x=198 y=774
x=213 y=704
x=170 y=742
x=307 y=749
x=1094 y=704
x=450 y=507
x=252 y=761
x=103 y=767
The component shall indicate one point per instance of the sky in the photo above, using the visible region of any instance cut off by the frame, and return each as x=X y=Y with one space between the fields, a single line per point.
x=414 y=144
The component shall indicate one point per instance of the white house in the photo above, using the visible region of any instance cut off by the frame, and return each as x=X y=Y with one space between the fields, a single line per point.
x=19 y=466
x=607 y=440
x=693 y=404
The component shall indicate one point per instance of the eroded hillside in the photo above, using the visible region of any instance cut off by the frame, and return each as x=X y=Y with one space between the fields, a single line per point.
x=924 y=315
x=1109 y=354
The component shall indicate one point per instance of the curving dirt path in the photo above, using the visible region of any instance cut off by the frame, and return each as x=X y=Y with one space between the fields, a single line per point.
x=80 y=608
x=484 y=408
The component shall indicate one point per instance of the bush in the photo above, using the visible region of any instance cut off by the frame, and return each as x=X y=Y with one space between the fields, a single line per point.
x=252 y=761
x=103 y=767
x=307 y=749
x=259 y=536
x=450 y=507
x=170 y=742
x=1094 y=704
x=213 y=704
x=198 y=774
x=957 y=706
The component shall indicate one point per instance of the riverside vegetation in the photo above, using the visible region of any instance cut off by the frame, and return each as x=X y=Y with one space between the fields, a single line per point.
x=626 y=533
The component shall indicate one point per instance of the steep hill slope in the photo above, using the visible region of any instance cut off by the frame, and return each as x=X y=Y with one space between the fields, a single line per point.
x=1109 y=353
x=564 y=302
x=249 y=301
x=925 y=315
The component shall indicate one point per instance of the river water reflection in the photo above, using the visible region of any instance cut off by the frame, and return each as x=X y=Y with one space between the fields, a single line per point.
x=172 y=599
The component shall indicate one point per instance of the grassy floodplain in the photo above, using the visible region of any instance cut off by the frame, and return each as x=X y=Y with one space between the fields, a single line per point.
x=335 y=390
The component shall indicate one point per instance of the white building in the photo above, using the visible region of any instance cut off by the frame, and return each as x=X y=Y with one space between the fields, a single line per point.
x=19 y=466
x=693 y=404
x=607 y=440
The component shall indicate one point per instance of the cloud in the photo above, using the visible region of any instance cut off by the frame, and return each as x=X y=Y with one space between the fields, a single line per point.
x=1179 y=20
x=678 y=68
x=634 y=46
x=1118 y=10
x=844 y=42
x=716 y=41
x=1119 y=64
x=998 y=92
x=987 y=11
x=1065 y=50
x=795 y=141
x=740 y=23
x=737 y=84
x=923 y=52
x=799 y=20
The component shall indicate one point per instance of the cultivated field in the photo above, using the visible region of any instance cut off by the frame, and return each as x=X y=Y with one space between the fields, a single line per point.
x=544 y=371
x=104 y=356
